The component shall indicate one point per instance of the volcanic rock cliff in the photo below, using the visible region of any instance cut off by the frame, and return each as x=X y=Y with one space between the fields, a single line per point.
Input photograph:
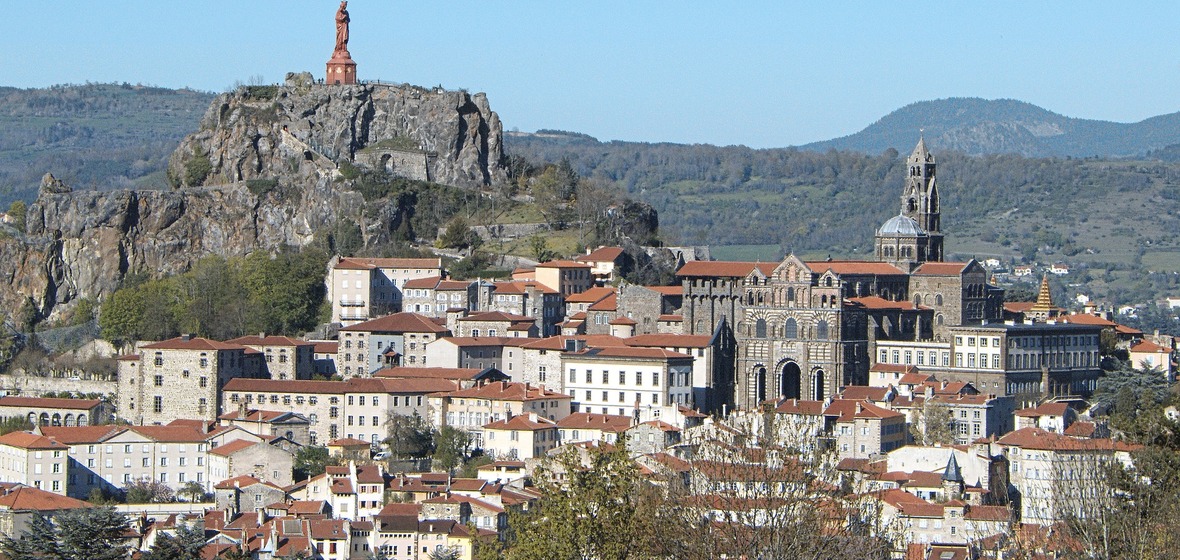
x=262 y=173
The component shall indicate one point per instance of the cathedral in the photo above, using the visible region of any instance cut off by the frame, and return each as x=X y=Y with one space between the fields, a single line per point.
x=804 y=329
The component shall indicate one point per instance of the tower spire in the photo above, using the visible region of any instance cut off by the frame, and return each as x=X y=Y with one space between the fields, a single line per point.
x=1044 y=298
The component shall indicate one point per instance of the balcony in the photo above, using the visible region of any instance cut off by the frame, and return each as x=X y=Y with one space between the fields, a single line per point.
x=352 y=303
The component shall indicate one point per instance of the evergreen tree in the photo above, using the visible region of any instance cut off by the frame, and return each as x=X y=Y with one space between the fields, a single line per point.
x=186 y=544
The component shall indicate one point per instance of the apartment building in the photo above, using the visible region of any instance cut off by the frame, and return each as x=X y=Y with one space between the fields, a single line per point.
x=496 y=323
x=528 y=298
x=434 y=296
x=399 y=339
x=526 y=436
x=357 y=408
x=364 y=288
x=478 y=352
x=565 y=277
x=472 y=408
x=615 y=380
x=34 y=460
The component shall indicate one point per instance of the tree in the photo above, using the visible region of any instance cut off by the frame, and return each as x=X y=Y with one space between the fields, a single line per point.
x=120 y=316
x=445 y=553
x=14 y=424
x=186 y=544
x=193 y=490
x=539 y=246
x=458 y=235
x=18 y=212
x=409 y=436
x=452 y=446
x=935 y=425
x=147 y=492
x=91 y=534
x=312 y=460
x=38 y=541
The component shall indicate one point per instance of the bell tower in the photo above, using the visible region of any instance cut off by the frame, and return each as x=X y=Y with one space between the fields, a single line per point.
x=919 y=197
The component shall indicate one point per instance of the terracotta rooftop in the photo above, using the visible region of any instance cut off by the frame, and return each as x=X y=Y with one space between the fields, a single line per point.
x=602 y=254
x=1036 y=438
x=875 y=302
x=1145 y=346
x=169 y=434
x=422 y=283
x=496 y=316
x=41 y=402
x=1046 y=409
x=270 y=340
x=80 y=434
x=363 y=263
x=631 y=352
x=434 y=372
x=28 y=498
x=941 y=268
x=730 y=269
x=521 y=422
x=505 y=391
x=326 y=347
x=855 y=268
x=796 y=406
x=608 y=303
x=193 y=343
x=593 y=295
x=398 y=323
x=676 y=290
x=26 y=440
x=590 y=421
x=562 y=264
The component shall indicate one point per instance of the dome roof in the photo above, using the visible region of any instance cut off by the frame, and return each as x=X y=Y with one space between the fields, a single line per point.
x=901 y=225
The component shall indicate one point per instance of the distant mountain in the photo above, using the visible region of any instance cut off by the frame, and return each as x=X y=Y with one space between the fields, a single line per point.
x=99 y=136
x=1005 y=126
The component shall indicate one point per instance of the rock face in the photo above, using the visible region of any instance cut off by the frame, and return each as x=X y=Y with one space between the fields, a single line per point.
x=271 y=181
x=242 y=131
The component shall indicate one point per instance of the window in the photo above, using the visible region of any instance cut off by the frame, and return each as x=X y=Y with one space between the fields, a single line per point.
x=157 y=404
x=204 y=381
x=541 y=373
x=791 y=328
x=159 y=361
x=655 y=379
x=159 y=381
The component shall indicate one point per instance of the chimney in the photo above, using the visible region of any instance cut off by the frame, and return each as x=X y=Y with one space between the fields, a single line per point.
x=186 y=337
x=858 y=408
x=262 y=334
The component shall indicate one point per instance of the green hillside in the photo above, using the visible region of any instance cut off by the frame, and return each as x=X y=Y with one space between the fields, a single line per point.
x=100 y=136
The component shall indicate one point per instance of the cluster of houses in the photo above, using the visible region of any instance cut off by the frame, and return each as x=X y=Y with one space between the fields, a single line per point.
x=905 y=383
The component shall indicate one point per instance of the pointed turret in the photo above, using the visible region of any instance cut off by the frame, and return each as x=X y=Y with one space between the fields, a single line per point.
x=1043 y=309
x=920 y=152
x=919 y=207
x=952 y=472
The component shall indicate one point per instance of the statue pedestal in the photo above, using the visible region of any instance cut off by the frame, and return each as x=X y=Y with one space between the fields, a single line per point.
x=341 y=69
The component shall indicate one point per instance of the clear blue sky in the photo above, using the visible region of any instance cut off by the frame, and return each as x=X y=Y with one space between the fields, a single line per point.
x=763 y=74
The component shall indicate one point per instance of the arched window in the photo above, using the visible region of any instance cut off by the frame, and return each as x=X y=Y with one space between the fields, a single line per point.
x=821 y=330
x=938 y=300
x=760 y=328
x=791 y=329
x=917 y=299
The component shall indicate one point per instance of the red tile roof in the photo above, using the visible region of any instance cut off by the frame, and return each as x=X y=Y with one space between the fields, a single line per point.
x=363 y=263
x=26 y=440
x=326 y=347
x=1146 y=346
x=630 y=352
x=496 y=316
x=1046 y=409
x=623 y=321
x=422 y=283
x=41 y=402
x=28 y=498
x=168 y=434
x=676 y=290
x=861 y=392
x=80 y=434
x=271 y=340
x=232 y=447
x=194 y=343
x=521 y=422
x=562 y=264
x=593 y=295
x=796 y=406
x=505 y=391
x=431 y=372
x=941 y=268
x=730 y=269
x=602 y=254
x=1036 y=438
x=398 y=323
x=855 y=267
x=590 y=421
x=608 y=303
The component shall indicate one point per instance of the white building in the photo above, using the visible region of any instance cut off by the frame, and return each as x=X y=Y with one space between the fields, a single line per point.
x=363 y=288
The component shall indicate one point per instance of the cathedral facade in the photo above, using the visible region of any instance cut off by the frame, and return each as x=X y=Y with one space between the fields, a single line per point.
x=805 y=329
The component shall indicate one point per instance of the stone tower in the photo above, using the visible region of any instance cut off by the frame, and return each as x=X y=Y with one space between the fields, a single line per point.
x=919 y=197
x=913 y=236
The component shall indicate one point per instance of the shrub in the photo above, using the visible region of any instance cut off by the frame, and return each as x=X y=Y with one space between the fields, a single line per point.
x=261 y=186
x=197 y=168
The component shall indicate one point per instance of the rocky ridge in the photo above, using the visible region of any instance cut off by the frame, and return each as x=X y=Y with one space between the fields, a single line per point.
x=272 y=181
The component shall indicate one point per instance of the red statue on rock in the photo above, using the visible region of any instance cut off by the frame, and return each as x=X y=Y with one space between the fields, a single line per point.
x=341 y=68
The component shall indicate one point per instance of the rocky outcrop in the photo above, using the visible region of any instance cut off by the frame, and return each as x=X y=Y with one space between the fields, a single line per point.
x=262 y=173
x=241 y=133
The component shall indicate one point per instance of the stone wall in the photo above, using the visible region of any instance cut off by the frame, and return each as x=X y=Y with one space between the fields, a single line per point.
x=35 y=385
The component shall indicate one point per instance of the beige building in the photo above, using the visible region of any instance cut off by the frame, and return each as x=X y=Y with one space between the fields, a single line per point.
x=434 y=296
x=583 y=427
x=363 y=288
x=1147 y=355
x=604 y=263
x=399 y=339
x=177 y=378
x=526 y=436
x=34 y=460
x=479 y=352
x=356 y=408
x=472 y=408
x=285 y=357
x=1058 y=476
x=41 y=411
x=270 y=423
x=863 y=430
x=623 y=380
x=566 y=277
